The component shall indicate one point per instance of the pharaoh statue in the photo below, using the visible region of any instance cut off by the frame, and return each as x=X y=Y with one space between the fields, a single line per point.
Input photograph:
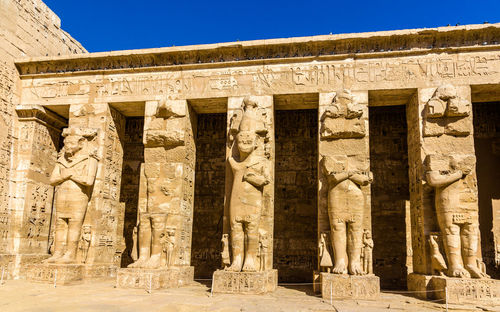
x=74 y=175
x=251 y=173
x=457 y=218
x=346 y=204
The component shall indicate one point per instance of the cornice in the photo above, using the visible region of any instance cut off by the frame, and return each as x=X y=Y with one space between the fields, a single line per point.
x=362 y=45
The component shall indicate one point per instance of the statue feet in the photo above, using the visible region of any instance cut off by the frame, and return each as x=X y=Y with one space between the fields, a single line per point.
x=68 y=258
x=340 y=267
x=154 y=262
x=249 y=265
x=475 y=272
x=235 y=267
x=355 y=268
x=139 y=263
x=53 y=259
x=458 y=271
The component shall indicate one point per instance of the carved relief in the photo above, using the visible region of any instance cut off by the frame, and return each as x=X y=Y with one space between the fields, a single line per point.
x=342 y=119
x=446 y=112
x=251 y=172
x=161 y=186
x=346 y=205
x=325 y=258
x=367 y=252
x=74 y=175
x=457 y=212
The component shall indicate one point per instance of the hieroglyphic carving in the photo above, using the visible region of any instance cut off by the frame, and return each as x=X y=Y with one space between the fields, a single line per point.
x=405 y=71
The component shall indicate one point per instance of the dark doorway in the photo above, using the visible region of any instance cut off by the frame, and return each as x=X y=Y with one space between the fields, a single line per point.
x=487 y=145
x=295 y=203
x=390 y=191
x=208 y=194
x=133 y=157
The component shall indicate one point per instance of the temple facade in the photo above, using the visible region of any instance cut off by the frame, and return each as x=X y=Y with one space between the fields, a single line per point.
x=354 y=162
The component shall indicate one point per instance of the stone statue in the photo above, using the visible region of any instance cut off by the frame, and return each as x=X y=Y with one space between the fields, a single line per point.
x=367 y=252
x=250 y=175
x=457 y=219
x=263 y=249
x=325 y=259
x=346 y=204
x=226 y=261
x=74 y=174
x=85 y=242
x=159 y=184
x=438 y=264
x=168 y=243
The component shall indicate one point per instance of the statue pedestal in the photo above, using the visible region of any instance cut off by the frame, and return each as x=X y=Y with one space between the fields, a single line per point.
x=245 y=282
x=341 y=286
x=154 y=278
x=65 y=274
x=460 y=290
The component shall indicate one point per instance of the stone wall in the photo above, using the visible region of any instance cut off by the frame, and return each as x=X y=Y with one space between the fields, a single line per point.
x=487 y=145
x=209 y=194
x=27 y=28
x=295 y=212
x=390 y=190
x=133 y=157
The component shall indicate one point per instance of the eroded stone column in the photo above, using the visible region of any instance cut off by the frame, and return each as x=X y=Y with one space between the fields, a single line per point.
x=444 y=201
x=25 y=229
x=344 y=212
x=165 y=214
x=249 y=201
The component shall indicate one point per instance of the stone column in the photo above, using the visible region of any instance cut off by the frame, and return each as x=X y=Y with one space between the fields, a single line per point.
x=166 y=199
x=443 y=196
x=247 y=253
x=344 y=204
x=25 y=229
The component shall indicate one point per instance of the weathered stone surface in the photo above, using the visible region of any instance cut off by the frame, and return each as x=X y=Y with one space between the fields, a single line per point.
x=341 y=286
x=439 y=76
x=65 y=274
x=460 y=290
x=154 y=278
x=245 y=282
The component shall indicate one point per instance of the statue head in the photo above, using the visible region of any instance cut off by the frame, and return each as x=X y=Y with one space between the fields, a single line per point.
x=246 y=141
x=72 y=145
x=75 y=138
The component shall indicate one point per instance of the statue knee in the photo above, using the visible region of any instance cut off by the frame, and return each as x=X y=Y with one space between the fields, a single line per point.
x=338 y=226
x=452 y=230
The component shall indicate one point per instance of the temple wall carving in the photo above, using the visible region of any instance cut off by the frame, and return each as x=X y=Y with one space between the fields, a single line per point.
x=384 y=166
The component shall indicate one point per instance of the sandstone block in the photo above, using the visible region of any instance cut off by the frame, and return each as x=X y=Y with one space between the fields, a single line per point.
x=349 y=286
x=245 y=282
x=155 y=278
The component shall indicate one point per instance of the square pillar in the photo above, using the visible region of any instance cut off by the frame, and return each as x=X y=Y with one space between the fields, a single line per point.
x=165 y=198
x=249 y=199
x=443 y=196
x=25 y=228
x=344 y=203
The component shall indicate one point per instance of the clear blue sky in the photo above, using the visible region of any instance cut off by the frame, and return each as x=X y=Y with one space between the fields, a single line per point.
x=125 y=24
